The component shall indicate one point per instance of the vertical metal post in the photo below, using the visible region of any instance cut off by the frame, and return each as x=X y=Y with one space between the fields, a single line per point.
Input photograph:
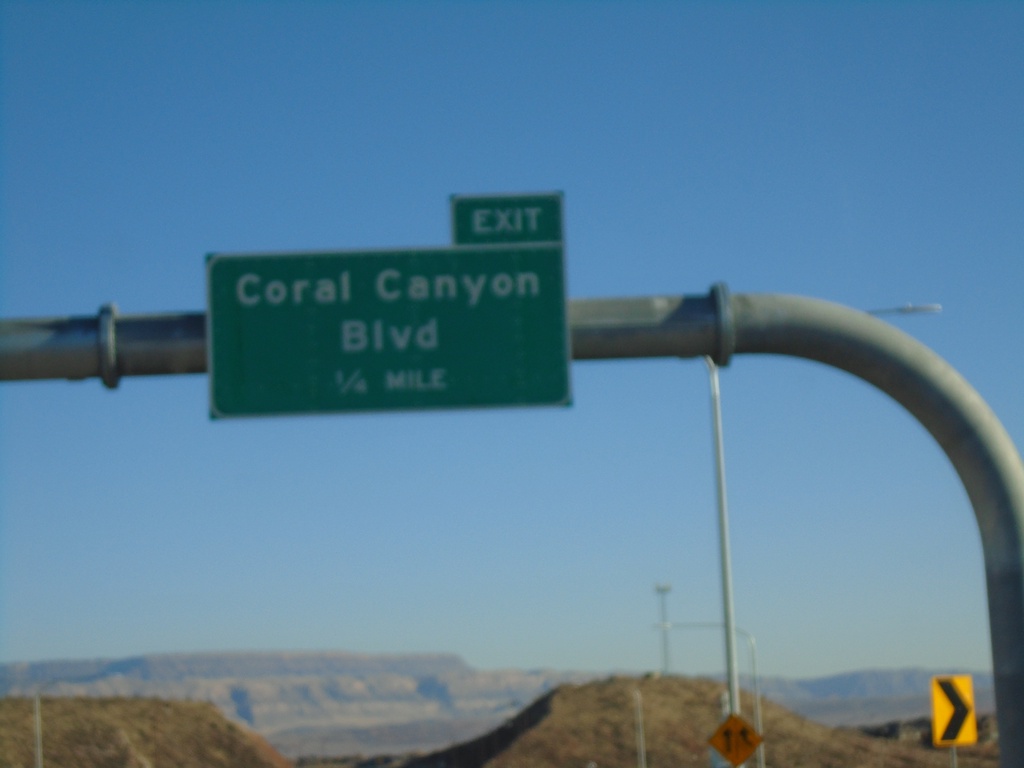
x=641 y=744
x=39 y=734
x=758 y=722
x=662 y=590
x=723 y=536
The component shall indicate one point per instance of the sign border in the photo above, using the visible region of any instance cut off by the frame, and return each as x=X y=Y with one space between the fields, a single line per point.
x=211 y=258
x=737 y=720
x=454 y=198
x=970 y=723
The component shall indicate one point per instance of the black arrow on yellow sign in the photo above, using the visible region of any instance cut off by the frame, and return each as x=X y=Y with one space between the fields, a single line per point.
x=960 y=711
x=953 y=719
x=735 y=739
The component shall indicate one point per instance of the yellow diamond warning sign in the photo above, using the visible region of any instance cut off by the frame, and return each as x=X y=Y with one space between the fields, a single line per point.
x=735 y=739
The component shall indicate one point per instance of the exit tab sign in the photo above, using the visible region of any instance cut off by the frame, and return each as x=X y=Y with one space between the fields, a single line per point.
x=506 y=219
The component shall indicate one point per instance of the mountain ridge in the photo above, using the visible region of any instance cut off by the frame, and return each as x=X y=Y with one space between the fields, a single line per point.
x=372 y=703
x=172 y=666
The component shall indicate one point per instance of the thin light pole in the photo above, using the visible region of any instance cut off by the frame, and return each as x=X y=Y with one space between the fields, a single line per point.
x=758 y=723
x=39 y=734
x=641 y=744
x=663 y=590
x=732 y=674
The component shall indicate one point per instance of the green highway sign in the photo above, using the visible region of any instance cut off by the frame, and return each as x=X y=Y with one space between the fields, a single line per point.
x=506 y=219
x=387 y=330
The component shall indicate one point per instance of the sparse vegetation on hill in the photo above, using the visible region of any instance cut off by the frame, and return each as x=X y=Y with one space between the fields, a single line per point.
x=570 y=727
x=596 y=723
x=332 y=703
x=129 y=733
x=342 y=704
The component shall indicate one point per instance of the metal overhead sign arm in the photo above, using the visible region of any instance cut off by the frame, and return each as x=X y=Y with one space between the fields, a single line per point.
x=717 y=325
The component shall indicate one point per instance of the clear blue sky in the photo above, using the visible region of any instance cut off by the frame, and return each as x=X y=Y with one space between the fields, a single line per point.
x=867 y=153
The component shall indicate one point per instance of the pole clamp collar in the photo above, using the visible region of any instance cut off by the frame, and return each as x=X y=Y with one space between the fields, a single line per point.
x=106 y=345
x=726 y=337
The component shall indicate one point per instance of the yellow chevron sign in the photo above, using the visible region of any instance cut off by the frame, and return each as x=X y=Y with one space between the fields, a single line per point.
x=953 y=719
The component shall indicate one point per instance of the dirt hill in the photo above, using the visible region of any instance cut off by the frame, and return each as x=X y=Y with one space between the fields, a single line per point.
x=574 y=725
x=343 y=703
x=596 y=724
x=129 y=733
x=333 y=703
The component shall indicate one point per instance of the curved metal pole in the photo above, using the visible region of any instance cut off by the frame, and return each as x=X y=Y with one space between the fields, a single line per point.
x=967 y=430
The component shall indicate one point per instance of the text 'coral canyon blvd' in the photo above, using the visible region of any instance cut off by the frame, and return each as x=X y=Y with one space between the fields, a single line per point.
x=390 y=285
